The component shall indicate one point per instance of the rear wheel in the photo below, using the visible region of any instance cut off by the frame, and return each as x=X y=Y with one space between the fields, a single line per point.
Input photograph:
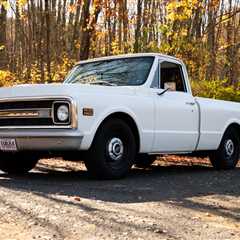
x=227 y=155
x=144 y=160
x=17 y=163
x=113 y=151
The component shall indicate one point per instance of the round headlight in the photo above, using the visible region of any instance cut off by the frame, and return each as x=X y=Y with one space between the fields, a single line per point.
x=63 y=113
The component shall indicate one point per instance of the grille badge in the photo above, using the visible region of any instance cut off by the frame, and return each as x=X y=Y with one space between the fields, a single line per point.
x=19 y=114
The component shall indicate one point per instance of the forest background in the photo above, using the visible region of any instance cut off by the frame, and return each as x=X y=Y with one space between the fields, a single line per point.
x=40 y=40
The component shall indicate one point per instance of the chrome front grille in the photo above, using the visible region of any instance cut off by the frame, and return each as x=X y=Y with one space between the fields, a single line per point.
x=37 y=113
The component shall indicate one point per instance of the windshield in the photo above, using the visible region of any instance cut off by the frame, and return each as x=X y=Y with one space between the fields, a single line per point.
x=115 y=72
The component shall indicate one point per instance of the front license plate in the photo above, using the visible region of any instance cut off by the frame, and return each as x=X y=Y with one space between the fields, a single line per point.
x=8 y=144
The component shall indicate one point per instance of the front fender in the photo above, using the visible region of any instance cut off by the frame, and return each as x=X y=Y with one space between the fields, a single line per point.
x=89 y=135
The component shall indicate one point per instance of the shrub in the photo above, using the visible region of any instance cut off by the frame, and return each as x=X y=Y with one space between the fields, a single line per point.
x=216 y=89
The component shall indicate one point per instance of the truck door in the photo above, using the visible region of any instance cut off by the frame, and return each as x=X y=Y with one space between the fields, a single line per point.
x=177 y=113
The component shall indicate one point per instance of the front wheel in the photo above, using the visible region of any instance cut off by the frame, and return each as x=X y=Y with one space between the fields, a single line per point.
x=113 y=151
x=17 y=163
x=227 y=155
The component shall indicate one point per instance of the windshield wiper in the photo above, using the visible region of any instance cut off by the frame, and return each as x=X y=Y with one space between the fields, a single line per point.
x=119 y=79
x=103 y=83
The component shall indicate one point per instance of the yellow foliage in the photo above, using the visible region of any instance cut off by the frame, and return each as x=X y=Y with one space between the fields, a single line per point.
x=5 y=4
x=22 y=2
x=115 y=48
x=181 y=10
x=59 y=72
x=72 y=8
x=216 y=89
x=6 y=78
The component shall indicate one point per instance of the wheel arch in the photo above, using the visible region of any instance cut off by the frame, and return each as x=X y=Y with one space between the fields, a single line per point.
x=234 y=125
x=126 y=118
x=221 y=158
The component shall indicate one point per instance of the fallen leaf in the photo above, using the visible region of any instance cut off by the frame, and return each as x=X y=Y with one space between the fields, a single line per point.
x=76 y=198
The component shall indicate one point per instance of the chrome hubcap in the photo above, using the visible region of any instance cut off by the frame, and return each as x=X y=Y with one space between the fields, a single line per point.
x=115 y=148
x=229 y=147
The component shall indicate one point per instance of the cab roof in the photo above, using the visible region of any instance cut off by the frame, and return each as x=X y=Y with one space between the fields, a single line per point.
x=164 y=56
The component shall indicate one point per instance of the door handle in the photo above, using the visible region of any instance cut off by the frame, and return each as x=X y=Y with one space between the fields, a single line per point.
x=190 y=103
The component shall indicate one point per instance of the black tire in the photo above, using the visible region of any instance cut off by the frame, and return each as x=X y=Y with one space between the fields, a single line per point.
x=108 y=157
x=227 y=155
x=17 y=163
x=144 y=160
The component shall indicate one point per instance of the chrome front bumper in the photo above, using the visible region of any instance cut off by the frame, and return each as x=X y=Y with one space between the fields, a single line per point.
x=48 y=144
x=45 y=139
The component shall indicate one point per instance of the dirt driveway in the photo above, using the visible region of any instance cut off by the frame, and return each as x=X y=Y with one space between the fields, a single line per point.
x=167 y=201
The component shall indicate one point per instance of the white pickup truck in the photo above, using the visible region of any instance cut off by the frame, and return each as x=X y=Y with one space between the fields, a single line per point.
x=114 y=112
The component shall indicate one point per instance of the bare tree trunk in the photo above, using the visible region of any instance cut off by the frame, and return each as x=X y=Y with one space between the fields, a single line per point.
x=125 y=26
x=48 y=27
x=3 y=37
x=211 y=41
x=17 y=42
x=120 y=24
x=75 y=35
x=138 y=27
x=84 y=45
x=233 y=44
x=88 y=27
x=145 y=23
x=29 y=52
x=40 y=40
x=108 y=37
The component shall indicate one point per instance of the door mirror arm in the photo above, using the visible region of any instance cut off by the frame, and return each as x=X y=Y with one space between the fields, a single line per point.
x=164 y=91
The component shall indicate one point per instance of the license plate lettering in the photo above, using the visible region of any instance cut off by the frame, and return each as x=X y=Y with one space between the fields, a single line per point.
x=8 y=144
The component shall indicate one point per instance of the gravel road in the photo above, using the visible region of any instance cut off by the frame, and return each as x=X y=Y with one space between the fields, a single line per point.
x=170 y=200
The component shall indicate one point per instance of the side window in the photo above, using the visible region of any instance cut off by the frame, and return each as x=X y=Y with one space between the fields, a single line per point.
x=172 y=77
x=155 y=82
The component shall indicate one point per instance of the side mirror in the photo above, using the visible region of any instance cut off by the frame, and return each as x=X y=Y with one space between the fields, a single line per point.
x=165 y=90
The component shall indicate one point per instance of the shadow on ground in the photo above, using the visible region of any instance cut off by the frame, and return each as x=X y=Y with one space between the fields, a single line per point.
x=174 y=184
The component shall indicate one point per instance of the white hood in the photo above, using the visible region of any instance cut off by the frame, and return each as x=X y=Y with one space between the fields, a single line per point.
x=71 y=90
